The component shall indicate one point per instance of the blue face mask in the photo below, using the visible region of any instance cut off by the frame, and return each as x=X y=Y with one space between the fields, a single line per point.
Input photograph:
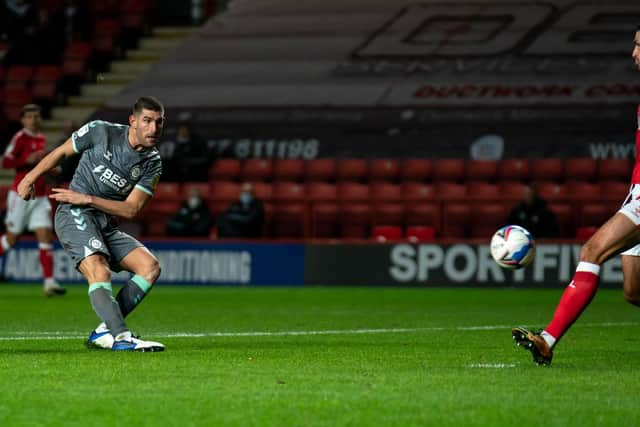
x=245 y=198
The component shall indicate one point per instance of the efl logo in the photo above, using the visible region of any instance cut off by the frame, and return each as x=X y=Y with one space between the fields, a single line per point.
x=486 y=29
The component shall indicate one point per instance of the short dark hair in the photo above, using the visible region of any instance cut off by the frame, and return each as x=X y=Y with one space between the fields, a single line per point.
x=148 y=103
x=30 y=108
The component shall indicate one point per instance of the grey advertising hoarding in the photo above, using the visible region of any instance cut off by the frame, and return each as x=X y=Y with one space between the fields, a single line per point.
x=460 y=264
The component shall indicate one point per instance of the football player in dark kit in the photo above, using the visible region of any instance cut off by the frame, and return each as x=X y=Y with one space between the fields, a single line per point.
x=116 y=177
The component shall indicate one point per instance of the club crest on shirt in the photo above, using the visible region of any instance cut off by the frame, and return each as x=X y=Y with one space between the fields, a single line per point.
x=135 y=172
x=95 y=243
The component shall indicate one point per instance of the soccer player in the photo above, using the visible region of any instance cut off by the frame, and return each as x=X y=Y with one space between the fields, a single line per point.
x=620 y=234
x=116 y=177
x=26 y=148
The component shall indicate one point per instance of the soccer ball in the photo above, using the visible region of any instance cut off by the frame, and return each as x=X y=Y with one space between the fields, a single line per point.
x=512 y=247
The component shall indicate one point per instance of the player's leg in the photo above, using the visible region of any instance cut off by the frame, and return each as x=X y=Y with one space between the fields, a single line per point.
x=39 y=221
x=146 y=270
x=618 y=233
x=15 y=221
x=631 y=272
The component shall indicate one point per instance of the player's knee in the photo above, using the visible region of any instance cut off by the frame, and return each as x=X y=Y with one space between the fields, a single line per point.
x=591 y=252
x=632 y=296
x=151 y=270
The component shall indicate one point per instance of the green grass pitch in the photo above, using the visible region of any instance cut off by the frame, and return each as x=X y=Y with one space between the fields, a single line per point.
x=318 y=357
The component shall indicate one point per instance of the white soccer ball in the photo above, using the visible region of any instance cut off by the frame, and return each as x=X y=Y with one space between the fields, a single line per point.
x=513 y=247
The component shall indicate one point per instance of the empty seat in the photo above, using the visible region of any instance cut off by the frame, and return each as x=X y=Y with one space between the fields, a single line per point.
x=420 y=233
x=564 y=217
x=595 y=214
x=257 y=170
x=383 y=233
x=418 y=191
x=416 y=170
x=582 y=190
x=225 y=191
x=456 y=220
x=552 y=191
x=167 y=191
x=422 y=214
x=353 y=191
x=614 y=170
x=321 y=170
x=287 y=220
x=384 y=169
x=487 y=218
x=580 y=169
x=288 y=192
x=385 y=192
x=324 y=220
x=353 y=170
x=288 y=169
x=614 y=190
x=548 y=169
x=448 y=170
x=354 y=220
x=263 y=191
x=321 y=191
x=226 y=169
x=388 y=214
x=18 y=76
x=482 y=191
x=512 y=190
x=203 y=187
x=514 y=169
x=450 y=190
x=481 y=170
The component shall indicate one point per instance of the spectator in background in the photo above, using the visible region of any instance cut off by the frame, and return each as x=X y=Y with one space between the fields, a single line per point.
x=19 y=25
x=193 y=219
x=244 y=218
x=186 y=155
x=73 y=21
x=533 y=214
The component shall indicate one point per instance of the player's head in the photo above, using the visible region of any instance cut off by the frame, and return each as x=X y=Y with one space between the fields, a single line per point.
x=30 y=117
x=636 y=49
x=147 y=122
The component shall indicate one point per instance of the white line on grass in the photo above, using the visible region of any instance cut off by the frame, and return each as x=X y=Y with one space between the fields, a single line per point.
x=48 y=335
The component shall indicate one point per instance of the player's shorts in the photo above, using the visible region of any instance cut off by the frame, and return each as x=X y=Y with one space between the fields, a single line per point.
x=631 y=209
x=30 y=214
x=84 y=231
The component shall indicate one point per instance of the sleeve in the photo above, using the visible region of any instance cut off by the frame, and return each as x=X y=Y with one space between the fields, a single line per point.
x=87 y=136
x=15 y=155
x=149 y=180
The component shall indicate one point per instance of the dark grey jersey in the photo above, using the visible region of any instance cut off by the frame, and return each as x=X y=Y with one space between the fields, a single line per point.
x=109 y=167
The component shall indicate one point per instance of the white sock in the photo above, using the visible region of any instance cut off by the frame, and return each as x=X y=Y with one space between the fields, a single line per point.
x=5 y=243
x=548 y=338
x=50 y=281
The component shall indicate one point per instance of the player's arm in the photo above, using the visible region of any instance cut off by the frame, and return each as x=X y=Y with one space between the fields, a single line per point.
x=49 y=162
x=127 y=208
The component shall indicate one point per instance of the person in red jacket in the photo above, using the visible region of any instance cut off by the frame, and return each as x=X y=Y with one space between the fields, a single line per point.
x=24 y=151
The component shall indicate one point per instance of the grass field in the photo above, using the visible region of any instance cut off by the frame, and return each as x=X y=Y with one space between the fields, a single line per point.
x=318 y=357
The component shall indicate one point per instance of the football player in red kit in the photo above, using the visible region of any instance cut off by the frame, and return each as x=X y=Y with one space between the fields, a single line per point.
x=619 y=235
x=24 y=151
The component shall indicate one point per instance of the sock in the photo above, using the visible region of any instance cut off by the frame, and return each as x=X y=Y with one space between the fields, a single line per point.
x=106 y=307
x=46 y=259
x=132 y=293
x=575 y=299
x=4 y=245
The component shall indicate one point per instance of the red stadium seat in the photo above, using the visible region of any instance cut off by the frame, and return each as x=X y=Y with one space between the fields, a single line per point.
x=321 y=170
x=451 y=190
x=322 y=191
x=324 y=220
x=595 y=214
x=487 y=218
x=353 y=191
x=204 y=187
x=420 y=233
x=288 y=192
x=384 y=170
x=288 y=220
x=614 y=170
x=418 y=191
x=385 y=192
x=355 y=220
x=416 y=170
x=353 y=170
x=388 y=214
x=288 y=169
x=257 y=170
x=225 y=191
x=263 y=191
x=564 y=218
x=584 y=233
x=483 y=191
x=448 y=170
x=551 y=191
x=383 y=233
x=481 y=170
x=423 y=214
x=168 y=192
x=18 y=76
x=614 y=190
x=514 y=169
x=582 y=190
x=580 y=169
x=512 y=190
x=456 y=220
x=225 y=169
x=548 y=169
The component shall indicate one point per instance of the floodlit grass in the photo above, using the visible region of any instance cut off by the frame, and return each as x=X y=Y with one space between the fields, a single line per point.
x=359 y=357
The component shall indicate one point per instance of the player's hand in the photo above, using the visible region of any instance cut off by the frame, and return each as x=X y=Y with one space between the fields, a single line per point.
x=26 y=190
x=69 y=196
x=35 y=157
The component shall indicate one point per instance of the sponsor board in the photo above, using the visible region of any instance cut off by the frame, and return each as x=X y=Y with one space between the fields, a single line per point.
x=182 y=263
x=460 y=264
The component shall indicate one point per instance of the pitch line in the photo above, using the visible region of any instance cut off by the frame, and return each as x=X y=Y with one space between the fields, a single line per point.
x=44 y=335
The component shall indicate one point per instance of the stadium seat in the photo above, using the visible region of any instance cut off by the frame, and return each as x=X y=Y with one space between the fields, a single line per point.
x=204 y=187
x=580 y=169
x=288 y=169
x=384 y=170
x=263 y=191
x=257 y=170
x=388 y=214
x=547 y=169
x=564 y=217
x=514 y=169
x=512 y=190
x=287 y=220
x=420 y=233
x=422 y=214
x=595 y=214
x=324 y=220
x=224 y=191
x=450 y=190
x=416 y=170
x=614 y=170
x=418 y=191
x=353 y=170
x=321 y=170
x=478 y=190
x=18 y=76
x=288 y=192
x=353 y=191
x=614 y=190
x=481 y=170
x=456 y=222
x=385 y=192
x=451 y=170
x=168 y=192
x=321 y=191
x=583 y=190
x=584 y=233
x=487 y=218
x=225 y=169
x=551 y=191
x=384 y=233
x=354 y=220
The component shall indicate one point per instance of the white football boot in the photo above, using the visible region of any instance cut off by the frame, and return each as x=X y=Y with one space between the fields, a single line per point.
x=100 y=337
x=127 y=342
